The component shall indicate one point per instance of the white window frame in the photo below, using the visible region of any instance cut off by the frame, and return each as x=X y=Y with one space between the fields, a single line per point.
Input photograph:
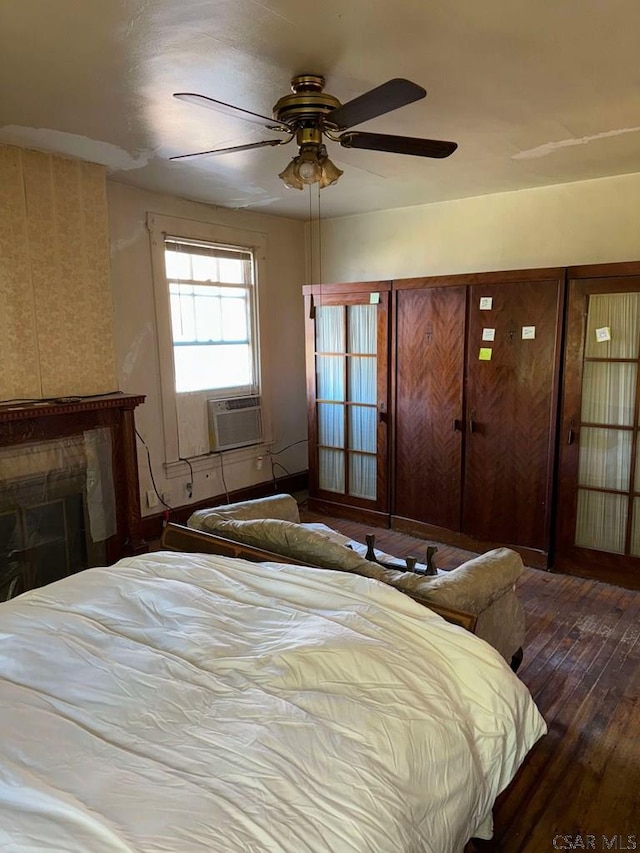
x=251 y=388
x=161 y=227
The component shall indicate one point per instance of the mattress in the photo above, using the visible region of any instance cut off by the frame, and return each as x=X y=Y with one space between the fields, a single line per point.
x=192 y=703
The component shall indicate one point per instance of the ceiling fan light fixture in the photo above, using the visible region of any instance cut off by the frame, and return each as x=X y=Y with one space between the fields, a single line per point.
x=310 y=166
x=309 y=170
x=330 y=173
x=290 y=177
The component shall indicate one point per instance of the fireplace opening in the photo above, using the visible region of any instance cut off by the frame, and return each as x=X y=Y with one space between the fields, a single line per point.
x=57 y=509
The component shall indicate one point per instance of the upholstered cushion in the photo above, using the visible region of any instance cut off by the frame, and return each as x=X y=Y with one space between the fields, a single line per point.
x=275 y=506
x=472 y=587
x=310 y=547
x=502 y=624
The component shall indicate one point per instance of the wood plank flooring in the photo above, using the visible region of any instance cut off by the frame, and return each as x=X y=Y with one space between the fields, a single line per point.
x=582 y=666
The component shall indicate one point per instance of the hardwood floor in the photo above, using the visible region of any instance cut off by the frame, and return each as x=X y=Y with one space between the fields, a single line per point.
x=579 y=788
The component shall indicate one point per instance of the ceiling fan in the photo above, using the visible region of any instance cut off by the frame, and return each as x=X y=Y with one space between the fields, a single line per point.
x=309 y=114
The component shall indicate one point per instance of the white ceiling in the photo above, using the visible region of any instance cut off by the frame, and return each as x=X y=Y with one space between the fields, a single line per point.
x=535 y=93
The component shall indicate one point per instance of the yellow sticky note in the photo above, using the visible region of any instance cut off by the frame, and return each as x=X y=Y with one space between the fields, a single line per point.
x=485 y=353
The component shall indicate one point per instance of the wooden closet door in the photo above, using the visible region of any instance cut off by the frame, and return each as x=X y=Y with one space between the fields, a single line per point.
x=598 y=515
x=430 y=326
x=511 y=386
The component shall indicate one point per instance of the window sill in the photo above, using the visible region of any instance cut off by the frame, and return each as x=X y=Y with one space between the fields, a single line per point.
x=211 y=462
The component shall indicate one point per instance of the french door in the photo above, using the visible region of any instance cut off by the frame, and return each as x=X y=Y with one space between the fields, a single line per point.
x=347 y=385
x=598 y=532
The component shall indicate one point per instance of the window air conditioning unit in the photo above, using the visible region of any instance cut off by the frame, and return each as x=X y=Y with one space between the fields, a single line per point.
x=234 y=423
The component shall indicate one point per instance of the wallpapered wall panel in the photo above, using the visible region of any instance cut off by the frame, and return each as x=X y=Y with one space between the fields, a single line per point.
x=65 y=234
x=19 y=366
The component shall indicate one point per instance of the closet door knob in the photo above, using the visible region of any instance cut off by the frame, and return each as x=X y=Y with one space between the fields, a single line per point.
x=457 y=425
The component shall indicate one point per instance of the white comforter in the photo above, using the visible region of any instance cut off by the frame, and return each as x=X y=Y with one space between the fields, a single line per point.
x=193 y=704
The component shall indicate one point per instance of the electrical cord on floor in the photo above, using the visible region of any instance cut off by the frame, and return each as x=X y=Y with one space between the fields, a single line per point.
x=272 y=453
x=224 y=482
x=190 y=483
x=155 y=488
x=273 y=473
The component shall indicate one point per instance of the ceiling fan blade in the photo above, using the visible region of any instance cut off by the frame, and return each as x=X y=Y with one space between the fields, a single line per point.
x=229 y=109
x=233 y=148
x=376 y=102
x=398 y=144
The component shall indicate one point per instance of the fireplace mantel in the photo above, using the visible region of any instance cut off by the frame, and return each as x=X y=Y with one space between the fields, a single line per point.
x=33 y=421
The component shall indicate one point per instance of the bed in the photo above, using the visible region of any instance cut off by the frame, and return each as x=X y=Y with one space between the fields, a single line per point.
x=200 y=703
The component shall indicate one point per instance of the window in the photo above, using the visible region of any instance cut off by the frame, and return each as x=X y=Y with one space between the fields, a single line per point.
x=211 y=295
x=208 y=281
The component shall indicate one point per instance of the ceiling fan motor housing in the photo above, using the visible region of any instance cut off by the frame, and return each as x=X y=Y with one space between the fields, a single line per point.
x=307 y=106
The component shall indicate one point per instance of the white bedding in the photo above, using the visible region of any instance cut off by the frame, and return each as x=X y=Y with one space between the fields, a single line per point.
x=197 y=704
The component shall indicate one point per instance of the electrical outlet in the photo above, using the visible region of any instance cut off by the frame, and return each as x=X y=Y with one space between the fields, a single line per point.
x=259 y=461
x=152 y=498
x=166 y=497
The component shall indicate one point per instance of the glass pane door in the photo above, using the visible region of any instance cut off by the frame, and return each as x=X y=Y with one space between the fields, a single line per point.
x=608 y=474
x=347 y=357
x=346 y=349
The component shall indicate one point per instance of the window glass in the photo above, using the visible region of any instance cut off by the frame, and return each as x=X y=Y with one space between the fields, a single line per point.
x=212 y=306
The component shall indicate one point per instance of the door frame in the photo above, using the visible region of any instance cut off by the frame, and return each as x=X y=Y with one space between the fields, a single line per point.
x=316 y=295
x=567 y=557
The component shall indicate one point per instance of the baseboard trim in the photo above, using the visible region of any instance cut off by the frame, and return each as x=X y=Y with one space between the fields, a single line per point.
x=530 y=556
x=352 y=513
x=152 y=524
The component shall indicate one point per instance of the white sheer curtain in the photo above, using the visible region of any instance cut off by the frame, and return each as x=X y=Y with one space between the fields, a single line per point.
x=608 y=393
x=602 y=521
x=330 y=385
x=362 y=329
x=362 y=476
x=356 y=350
x=635 y=534
x=620 y=313
x=330 y=328
x=330 y=377
x=608 y=399
x=605 y=458
x=363 y=389
x=331 y=470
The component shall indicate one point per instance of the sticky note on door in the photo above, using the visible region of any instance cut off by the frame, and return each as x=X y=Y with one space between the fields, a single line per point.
x=374 y=298
x=603 y=334
x=528 y=333
x=485 y=353
x=486 y=303
x=488 y=334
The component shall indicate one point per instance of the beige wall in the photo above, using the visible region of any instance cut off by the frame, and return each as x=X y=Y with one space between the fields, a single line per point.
x=57 y=312
x=580 y=223
x=56 y=318
x=136 y=341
